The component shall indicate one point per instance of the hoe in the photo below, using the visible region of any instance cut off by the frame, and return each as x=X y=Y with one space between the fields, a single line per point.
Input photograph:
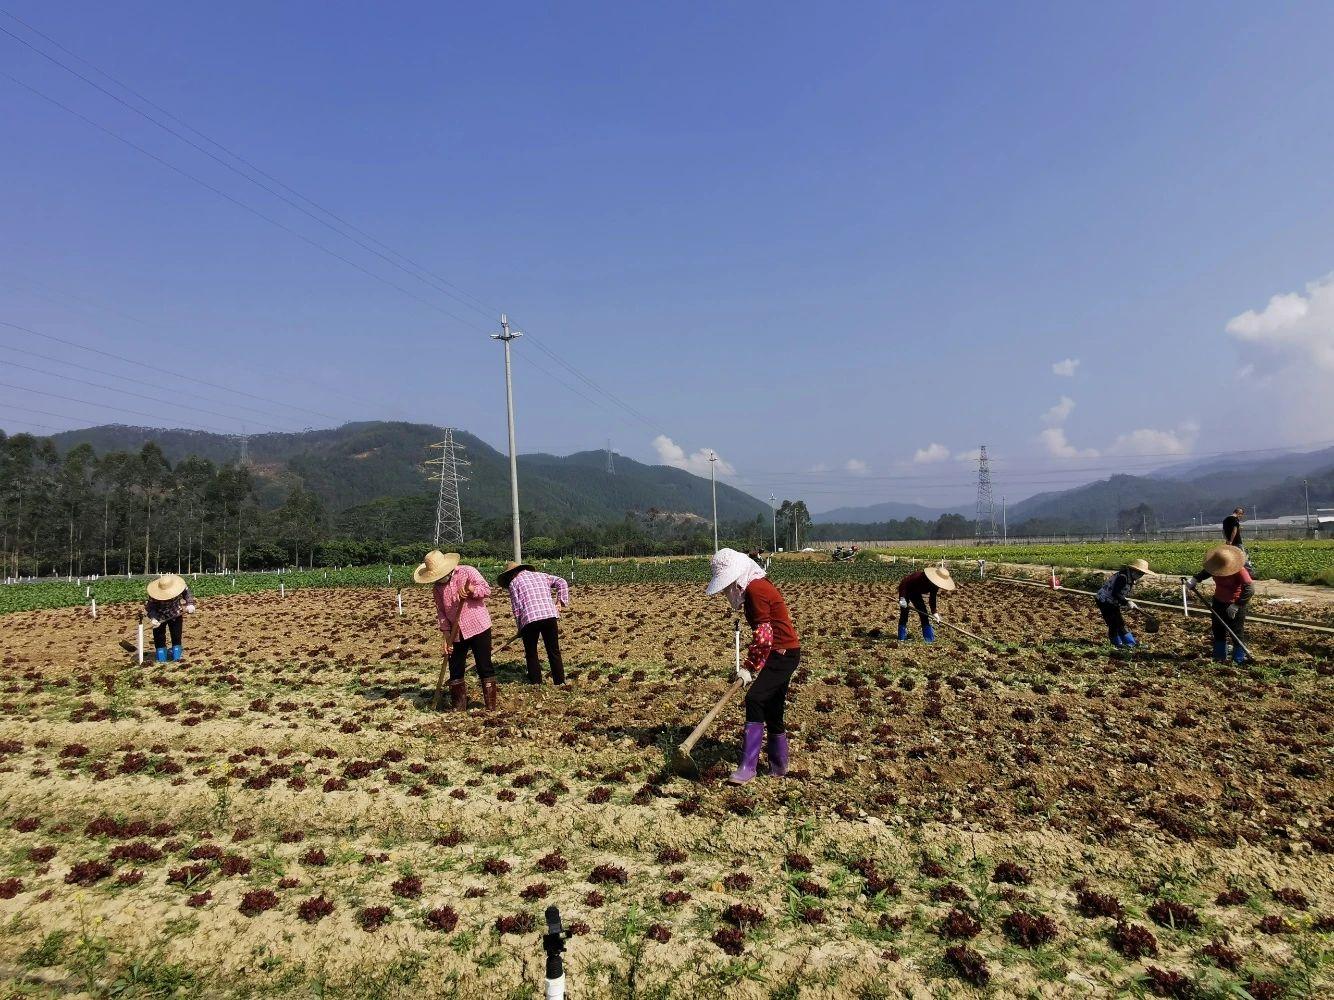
x=682 y=762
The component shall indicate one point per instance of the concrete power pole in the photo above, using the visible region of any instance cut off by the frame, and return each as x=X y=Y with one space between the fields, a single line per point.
x=448 y=511
x=773 y=500
x=713 y=484
x=505 y=336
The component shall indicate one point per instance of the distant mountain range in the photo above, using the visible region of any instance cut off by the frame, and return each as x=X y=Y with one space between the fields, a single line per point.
x=890 y=510
x=357 y=468
x=1175 y=494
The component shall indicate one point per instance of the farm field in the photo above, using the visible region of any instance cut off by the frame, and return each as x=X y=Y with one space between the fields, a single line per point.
x=282 y=815
x=1293 y=561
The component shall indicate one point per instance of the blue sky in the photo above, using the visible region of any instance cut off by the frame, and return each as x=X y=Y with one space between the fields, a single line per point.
x=840 y=246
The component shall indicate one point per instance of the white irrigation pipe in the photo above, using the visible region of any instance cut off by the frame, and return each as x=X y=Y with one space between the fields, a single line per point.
x=1279 y=622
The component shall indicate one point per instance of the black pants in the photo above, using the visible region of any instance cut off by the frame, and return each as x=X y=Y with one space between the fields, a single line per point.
x=919 y=605
x=546 y=628
x=160 y=633
x=1116 y=622
x=766 y=700
x=480 y=644
x=1238 y=624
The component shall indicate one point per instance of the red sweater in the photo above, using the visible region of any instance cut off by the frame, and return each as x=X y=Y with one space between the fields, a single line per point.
x=765 y=605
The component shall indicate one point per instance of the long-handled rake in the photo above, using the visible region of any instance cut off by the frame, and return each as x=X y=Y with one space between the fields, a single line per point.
x=964 y=631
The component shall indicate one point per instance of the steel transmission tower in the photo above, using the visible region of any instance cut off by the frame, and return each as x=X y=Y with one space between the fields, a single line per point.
x=448 y=513
x=611 y=459
x=986 y=503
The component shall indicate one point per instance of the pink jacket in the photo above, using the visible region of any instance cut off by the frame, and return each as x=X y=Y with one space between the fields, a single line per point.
x=471 y=615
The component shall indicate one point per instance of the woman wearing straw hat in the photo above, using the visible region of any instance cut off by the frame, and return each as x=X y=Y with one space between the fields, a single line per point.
x=536 y=615
x=460 y=594
x=169 y=600
x=1115 y=595
x=1233 y=588
x=771 y=659
x=916 y=589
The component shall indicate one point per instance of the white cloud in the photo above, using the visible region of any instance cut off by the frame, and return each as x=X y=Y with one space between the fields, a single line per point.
x=857 y=467
x=971 y=455
x=1287 y=355
x=671 y=453
x=1147 y=441
x=1057 y=414
x=818 y=467
x=931 y=453
x=1053 y=438
x=1292 y=328
x=1065 y=368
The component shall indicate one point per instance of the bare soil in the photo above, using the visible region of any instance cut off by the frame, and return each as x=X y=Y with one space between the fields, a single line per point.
x=146 y=813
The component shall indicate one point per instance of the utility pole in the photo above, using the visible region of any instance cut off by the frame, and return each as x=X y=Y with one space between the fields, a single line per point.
x=448 y=511
x=1306 y=485
x=773 y=500
x=505 y=336
x=713 y=485
x=1005 y=523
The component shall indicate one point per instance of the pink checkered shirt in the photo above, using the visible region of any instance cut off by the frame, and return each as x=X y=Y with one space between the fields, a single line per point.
x=471 y=615
x=530 y=596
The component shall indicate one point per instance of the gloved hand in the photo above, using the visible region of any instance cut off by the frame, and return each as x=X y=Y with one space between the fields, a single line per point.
x=1132 y=605
x=153 y=623
x=745 y=676
x=903 y=602
x=190 y=608
x=1191 y=585
x=1232 y=610
x=936 y=618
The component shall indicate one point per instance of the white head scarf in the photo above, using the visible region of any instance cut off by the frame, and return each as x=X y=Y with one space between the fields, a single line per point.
x=733 y=572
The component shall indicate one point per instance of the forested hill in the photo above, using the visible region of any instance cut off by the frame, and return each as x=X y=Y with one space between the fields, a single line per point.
x=360 y=463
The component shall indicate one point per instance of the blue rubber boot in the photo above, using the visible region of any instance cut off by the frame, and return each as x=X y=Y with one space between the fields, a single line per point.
x=1220 y=651
x=175 y=654
x=750 y=753
x=1238 y=654
x=1116 y=641
x=162 y=655
x=1129 y=641
x=928 y=634
x=903 y=633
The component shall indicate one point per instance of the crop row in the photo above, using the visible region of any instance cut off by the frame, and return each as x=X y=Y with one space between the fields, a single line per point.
x=1292 y=561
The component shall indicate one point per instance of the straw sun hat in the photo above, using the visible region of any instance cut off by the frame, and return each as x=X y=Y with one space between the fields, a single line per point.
x=940 y=576
x=436 y=566
x=1224 y=560
x=166 y=587
x=1140 y=564
x=512 y=569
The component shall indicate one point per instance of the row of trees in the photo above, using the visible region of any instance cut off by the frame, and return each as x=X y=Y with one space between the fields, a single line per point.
x=125 y=512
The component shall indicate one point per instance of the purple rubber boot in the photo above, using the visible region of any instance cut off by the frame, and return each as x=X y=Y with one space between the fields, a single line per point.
x=778 y=755
x=750 y=753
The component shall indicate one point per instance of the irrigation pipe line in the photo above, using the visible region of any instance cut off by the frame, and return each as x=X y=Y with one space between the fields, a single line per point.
x=1278 y=622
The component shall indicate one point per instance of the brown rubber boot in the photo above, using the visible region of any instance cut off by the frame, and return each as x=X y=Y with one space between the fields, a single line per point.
x=489 y=692
x=458 y=695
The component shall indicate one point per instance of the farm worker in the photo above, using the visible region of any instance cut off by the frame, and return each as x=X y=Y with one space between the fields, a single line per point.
x=460 y=594
x=536 y=614
x=913 y=589
x=169 y=601
x=1232 y=532
x=1115 y=595
x=770 y=662
x=1233 y=588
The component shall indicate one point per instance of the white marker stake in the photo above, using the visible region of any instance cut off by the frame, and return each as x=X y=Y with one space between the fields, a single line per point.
x=282 y=590
x=93 y=607
x=141 y=644
x=1185 y=605
x=400 y=603
x=87 y=591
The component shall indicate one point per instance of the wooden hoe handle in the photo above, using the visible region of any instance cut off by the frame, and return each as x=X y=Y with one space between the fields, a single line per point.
x=707 y=721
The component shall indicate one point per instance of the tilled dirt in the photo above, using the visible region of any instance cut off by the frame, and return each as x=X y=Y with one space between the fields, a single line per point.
x=294 y=758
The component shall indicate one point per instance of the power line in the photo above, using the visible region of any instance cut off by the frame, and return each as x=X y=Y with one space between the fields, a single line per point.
x=106 y=406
